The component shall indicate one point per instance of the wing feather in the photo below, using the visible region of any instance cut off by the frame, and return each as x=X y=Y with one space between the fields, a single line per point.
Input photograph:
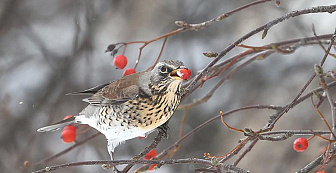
x=89 y=91
x=116 y=92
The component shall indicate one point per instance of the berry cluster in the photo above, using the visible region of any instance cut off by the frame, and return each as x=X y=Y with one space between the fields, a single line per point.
x=120 y=62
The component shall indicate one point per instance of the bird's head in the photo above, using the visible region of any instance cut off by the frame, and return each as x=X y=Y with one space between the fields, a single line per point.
x=168 y=71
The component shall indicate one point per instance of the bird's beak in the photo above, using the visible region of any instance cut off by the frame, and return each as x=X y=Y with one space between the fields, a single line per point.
x=174 y=74
x=180 y=74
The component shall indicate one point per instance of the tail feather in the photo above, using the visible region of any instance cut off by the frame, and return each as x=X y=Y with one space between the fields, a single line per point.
x=57 y=126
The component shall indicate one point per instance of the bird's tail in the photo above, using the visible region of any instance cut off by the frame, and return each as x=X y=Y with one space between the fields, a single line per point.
x=57 y=126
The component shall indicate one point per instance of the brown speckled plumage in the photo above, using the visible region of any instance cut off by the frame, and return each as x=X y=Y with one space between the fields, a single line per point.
x=132 y=106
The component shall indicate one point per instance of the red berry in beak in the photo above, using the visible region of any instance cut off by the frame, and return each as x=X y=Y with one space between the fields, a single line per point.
x=184 y=73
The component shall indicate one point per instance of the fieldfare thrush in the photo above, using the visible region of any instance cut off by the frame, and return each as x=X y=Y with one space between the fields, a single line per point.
x=132 y=106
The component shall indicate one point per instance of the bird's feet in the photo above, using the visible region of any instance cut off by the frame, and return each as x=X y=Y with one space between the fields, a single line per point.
x=112 y=167
x=164 y=130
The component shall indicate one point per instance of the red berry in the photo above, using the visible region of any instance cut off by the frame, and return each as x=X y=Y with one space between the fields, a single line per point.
x=152 y=167
x=120 y=61
x=184 y=73
x=129 y=71
x=320 y=172
x=150 y=155
x=67 y=117
x=68 y=136
x=300 y=144
x=69 y=133
x=70 y=128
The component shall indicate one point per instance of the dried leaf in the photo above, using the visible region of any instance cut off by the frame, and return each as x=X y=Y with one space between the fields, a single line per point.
x=110 y=48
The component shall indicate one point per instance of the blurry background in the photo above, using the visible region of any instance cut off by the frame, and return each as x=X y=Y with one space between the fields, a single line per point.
x=50 y=48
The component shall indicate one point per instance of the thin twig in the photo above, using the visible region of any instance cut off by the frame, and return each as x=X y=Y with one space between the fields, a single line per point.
x=313 y=164
x=159 y=56
x=325 y=88
x=297 y=132
x=247 y=150
x=228 y=126
x=122 y=162
x=320 y=42
x=153 y=145
x=228 y=76
x=235 y=150
x=205 y=24
x=326 y=123
x=177 y=143
x=271 y=125
x=185 y=27
x=46 y=160
x=332 y=40
x=318 y=9
x=183 y=121
x=294 y=44
x=145 y=43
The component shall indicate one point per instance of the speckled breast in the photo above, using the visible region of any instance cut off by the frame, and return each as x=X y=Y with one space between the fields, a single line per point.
x=149 y=113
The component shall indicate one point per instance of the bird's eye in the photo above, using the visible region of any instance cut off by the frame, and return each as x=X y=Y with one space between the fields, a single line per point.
x=163 y=69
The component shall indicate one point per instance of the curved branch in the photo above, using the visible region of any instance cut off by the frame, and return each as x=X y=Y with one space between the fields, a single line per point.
x=318 y=9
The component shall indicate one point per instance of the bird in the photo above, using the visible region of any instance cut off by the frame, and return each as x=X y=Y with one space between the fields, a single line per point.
x=132 y=106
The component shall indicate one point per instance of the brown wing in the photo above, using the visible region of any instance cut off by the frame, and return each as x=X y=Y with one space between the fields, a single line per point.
x=89 y=91
x=116 y=92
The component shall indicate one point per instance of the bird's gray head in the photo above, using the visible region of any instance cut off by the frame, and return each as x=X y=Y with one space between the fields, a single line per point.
x=166 y=70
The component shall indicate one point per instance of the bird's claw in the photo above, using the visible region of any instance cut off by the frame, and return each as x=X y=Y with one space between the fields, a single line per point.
x=112 y=167
x=164 y=130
